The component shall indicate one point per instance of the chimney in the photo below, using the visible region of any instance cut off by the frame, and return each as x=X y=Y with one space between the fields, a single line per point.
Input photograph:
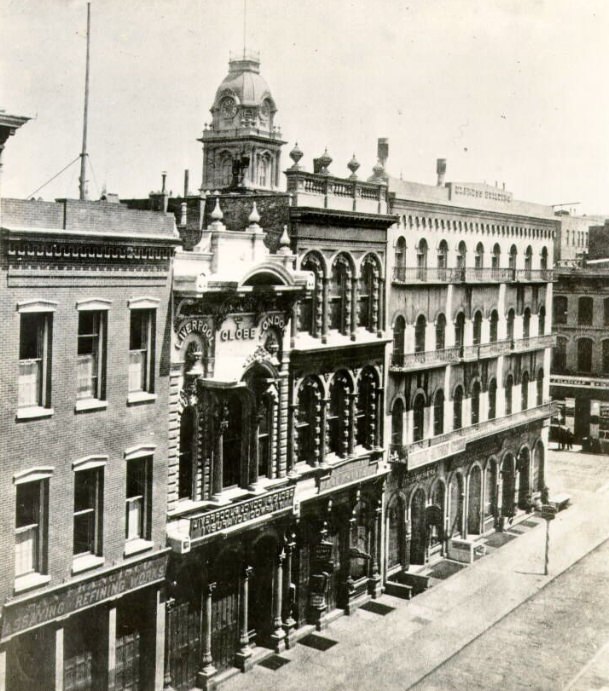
x=164 y=196
x=440 y=170
x=382 y=150
x=186 y=174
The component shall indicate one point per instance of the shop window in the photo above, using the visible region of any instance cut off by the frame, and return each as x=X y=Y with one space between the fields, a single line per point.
x=395 y=540
x=360 y=543
x=138 y=500
x=339 y=295
x=458 y=408
x=338 y=415
x=478 y=328
x=584 y=355
x=540 y=386
x=397 y=357
x=440 y=332
x=526 y=323
x=541 y=318
x=585 y=311
x=88 y=493
x=418 y=418
x=186 y=470
x=419 y=334
x=493 y=326
x=436 y=528
x=438 y=413
x=560 y=304
x=307 y=421
x=524 y=391
x=31 y=528
x=475 y=401
x=311 y=307
x=35 y=360
x=368 y=297
x=366 y=409
x=479 y=256
x=559 y=355
x=141 y=351
x=91 y=358
x=492 y=399
x=509 y=385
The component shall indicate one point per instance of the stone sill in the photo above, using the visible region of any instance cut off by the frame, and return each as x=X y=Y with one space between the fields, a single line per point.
x=137 y=546
x=34 y=413
x=141 y=397
x=86 y=562
x=29 y=581
x=91 y=404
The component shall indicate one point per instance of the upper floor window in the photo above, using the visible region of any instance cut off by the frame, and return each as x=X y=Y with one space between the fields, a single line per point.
x=398 y=341
x=541 y=320
x=397 y=422
x=232 y=424
x=458 y=408
x=513 y=257
x=511 y=317
x=369 y=293
x=494 y=323
x=560 y=304
x=264 y=170
x=418 y=418
x=31 y=504
x=419 y=334
x=479 y=256
x=584 y=355
x=526 y=323
x=606 y=311
x=141 y=351
x=443 y=255
x=605 y=357
x=311 y=307
x=91 y=360
x=475 y=403
x=308 y=421
x=186 y=464
x=477 y=328
x=440 y=332
x=461 y=255
x=524 y=391
x=400 y=257
x=338 y=415
x=421 y=259
x=138 y=499
x=559 y=355
x=585 y=311
x=460 y=330
x=35 y=338
x=366 y=413
x=496 y=256
x=544 y=258
x=88 y=511
x=438 y=412
x=540 y=386
x=340 y=294
x=509 y=385
x=528 y=259
x=492 y=399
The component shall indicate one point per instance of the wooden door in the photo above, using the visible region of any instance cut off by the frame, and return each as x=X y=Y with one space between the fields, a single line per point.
x=184 y=644
x=417 y=519
x=302 y=573
x=335 y=577
x=127 y=677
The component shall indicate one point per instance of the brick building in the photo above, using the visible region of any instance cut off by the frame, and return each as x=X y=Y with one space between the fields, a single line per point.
x=84 y=321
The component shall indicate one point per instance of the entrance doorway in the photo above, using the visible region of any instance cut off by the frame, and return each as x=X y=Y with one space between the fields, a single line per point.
x=261 y=594
x=418 y=526
x=225 y=609
x=474 y=498
x=524 y=462
x=507 y=494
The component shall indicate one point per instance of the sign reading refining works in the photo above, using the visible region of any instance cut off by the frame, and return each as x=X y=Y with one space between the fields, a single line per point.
x=214 y=521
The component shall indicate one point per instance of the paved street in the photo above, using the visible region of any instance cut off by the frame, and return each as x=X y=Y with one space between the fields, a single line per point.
x=497 y=624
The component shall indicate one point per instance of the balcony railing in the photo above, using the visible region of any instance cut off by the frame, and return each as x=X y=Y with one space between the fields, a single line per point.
x=429 y=450
x=408 y=274
x=428 y=358
x=485 y=350
x=533 y=343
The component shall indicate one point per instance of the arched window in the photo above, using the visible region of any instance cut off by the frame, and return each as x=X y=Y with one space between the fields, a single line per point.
x=537 y=469
x=513 y=257
x=492 y=399
x=226 y=170
x=460 y=330
x=585 y=311
x=584 y=355
x=526 y=323
x=264 y=434
x=455 y=521
x=400 y=259
x=458 y=408
x=510 y=325
x=436 y=529
x=397 y=357
x=540 y=386
x=232 y=418
x=308 y=421
x=475 y=401
x=479 y=256
x=186 y=464
x=311 y=307
x=541 y=320
x=422 y=259
x=443 y=255
x=366 y=409
x=338 y=415
x=559 y=354
x=461 y=255
x=264 y=170
x=438 y=413
x=418 y=418
x=397 y=423
x=340 y=298
x=494 y=324
x=524 y=391
x=490 y=494
x=496 y=259
x=419 y=334
x=509 y=385
x=528 y=260
x=477 y=328
x=543 y=262
x=560 y=305
x=395 y=539
x=440 y=332
x=369 y=293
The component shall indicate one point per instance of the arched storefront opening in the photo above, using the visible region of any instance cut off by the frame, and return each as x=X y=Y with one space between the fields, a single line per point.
x=264 y=555
x=395 y=533
x=490 y=490
x=474 y=499
x=524 y=462
x=435 y=517
x=537 y=469
x=455 y=519
x=418 y=529
x=508 y=478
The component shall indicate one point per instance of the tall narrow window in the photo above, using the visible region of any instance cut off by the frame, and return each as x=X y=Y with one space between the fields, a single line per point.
x=337 y=417
x=30 y=528
x=492 y=399
x=606 y=311
x=311 y=307
x=509 y=385
x=397 y=357
x=141 y=351
x=479 y=256
x=307 y=421
x=422 y=260
x=232 y=417
x=461 y=255
x=339 y=307
x=475 y=401
x=510 y=325
x=91 y=361
x=400 y=259
x=544 y=259
x=440 y=332
x=35 y=360
x=88 y=492
x=541 y=320
x=264 y=432
x=458 y=408
x=513 y=257
x=138 y=509
x=496 y=260
x=540 y=386
x=397 y=422
x=419 y=334
x=460 y=331
x=366 y=409
x=418 y=417
x=584 y=355
x=478 y=328
x=559 y=355
x=560 y=304
x=528 y=261
x=368 y=293
x=494 y=323
x=585 y=311
x=442 y=257
x=524 y=391
x=526 y=323
x=186 y=465
x=438 y=412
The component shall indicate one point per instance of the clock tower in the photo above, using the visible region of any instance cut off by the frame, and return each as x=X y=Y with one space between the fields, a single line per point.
x=242 y=145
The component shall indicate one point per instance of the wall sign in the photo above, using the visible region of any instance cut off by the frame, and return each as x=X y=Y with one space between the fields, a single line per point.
x=194 y=325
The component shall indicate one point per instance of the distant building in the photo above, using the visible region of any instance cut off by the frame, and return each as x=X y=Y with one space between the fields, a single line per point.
x=572 y=237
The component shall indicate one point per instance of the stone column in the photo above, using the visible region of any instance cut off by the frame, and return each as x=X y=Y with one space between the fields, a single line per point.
x=324 y=431
x=289 y=623
x=167 y=679
x=374 y=581
x=278 y=635
x=243 y=658
x=294 y=322
x=59 y=656
x=159 y=640
x=380 y=400
x=111 y=647
x=324 y=308
x=282 y=419
x=352 y=422
x=222 y=422
x=207 y=671
x=291 y=440
x=351 y=293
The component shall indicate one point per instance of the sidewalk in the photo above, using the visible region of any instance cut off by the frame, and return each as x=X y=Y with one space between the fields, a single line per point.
x=398 y=650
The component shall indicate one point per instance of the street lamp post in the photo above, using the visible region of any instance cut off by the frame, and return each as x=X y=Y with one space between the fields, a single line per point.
x=548 y=513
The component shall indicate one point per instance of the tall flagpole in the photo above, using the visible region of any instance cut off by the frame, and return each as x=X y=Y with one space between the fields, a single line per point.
x=83 y=156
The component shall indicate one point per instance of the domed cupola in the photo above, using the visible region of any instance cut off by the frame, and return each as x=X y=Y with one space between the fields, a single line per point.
x=242 y=146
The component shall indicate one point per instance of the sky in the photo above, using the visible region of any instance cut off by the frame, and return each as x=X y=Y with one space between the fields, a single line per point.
x=508 y=91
